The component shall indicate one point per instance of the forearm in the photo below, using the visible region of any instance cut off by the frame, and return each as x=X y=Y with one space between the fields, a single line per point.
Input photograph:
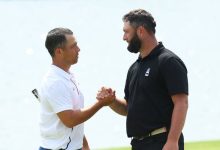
x=119 y=106
x=178 y=120
x=80 y=116
x=72 y=118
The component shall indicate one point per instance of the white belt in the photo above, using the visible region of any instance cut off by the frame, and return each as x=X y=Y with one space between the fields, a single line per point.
x=154 y=132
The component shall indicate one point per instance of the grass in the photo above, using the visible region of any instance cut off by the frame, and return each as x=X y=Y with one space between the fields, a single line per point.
x=204 y=145
x=207 y=145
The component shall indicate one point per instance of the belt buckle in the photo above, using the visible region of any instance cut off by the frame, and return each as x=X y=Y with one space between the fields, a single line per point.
x=141 y=138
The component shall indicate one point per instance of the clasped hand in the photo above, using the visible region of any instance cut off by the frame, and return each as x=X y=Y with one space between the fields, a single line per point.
x=106 y=96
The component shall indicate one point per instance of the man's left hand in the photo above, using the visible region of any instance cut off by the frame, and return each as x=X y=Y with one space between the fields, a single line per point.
x=171 y=146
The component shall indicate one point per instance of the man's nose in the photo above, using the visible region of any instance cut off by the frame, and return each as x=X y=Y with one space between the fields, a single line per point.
x=124 y=37
x=78 y=49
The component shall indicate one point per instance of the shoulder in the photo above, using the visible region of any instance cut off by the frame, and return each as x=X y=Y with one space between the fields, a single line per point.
x=166 y=54
x=53 y=85
x=169 y=58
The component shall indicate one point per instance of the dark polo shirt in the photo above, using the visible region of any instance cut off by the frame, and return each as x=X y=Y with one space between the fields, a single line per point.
x=151 y=81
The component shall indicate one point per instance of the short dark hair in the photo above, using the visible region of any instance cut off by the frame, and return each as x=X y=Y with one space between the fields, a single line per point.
x=56 y=39
x=140 y=17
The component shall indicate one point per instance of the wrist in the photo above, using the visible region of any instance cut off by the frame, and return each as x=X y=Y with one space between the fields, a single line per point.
x=99 y=104
x=172 y=140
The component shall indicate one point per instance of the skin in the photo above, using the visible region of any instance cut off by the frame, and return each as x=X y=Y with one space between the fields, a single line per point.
x=64 y=58
x=180 y=101
x=68 y=55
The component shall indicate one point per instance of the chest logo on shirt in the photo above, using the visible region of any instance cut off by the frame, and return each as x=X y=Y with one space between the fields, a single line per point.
x=147 y=72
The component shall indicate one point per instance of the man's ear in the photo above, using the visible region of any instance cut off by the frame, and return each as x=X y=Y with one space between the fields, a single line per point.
x=140 y=31
x=58 y=51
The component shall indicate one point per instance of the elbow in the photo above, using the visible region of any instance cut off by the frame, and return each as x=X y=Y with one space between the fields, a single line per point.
x=69 y=118
x=69 y=124
x=122 y=112
x=125 y=113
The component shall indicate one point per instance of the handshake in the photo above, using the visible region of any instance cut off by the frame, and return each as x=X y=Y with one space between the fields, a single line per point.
x=106 y=96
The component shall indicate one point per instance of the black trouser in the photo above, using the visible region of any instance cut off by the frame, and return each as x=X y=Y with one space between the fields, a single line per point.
x=155 y=142
x=41 y=148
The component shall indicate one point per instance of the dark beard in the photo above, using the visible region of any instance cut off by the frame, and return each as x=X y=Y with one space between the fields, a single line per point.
x=134 y=45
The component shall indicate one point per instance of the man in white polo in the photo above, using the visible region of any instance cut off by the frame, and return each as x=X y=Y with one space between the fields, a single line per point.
x=61 y=101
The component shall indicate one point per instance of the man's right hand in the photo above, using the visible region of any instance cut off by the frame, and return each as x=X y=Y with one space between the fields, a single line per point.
x=106 y=96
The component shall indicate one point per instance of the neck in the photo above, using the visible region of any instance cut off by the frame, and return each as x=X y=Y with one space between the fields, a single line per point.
x=61 y=65
x=147 y=46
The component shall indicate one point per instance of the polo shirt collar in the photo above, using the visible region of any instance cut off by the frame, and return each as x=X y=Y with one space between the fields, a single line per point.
x=154 y=52
x=61 y=72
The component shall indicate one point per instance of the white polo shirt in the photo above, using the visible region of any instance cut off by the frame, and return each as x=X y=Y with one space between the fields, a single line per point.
x=59 y=92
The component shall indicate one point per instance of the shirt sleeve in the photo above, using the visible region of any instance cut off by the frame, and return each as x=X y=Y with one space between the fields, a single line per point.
x=174 y=73
x=59 y=97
